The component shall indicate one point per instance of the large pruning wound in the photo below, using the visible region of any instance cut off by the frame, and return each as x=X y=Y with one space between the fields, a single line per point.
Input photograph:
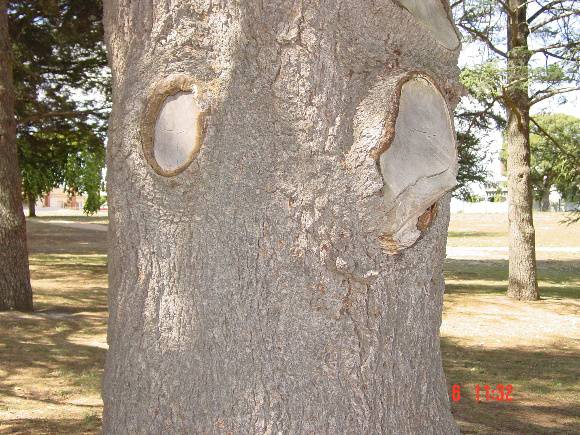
x=177 y=135
x=173 y=124
x=420 y=164
x=432 y=14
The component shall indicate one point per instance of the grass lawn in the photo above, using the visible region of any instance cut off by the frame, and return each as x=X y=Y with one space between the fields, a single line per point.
x=490 y=339
x=51 y=362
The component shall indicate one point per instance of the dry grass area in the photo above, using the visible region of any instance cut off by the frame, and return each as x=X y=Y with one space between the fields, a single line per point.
x=491 y=229
x=51 y=361
x=489 y=339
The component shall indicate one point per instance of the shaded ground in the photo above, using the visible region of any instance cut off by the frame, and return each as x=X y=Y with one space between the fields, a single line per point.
x=51 y=361
x=490 y=339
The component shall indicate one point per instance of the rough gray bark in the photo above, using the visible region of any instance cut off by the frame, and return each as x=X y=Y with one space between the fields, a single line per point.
x=249 y=289
x=523 y=283
x=15 y=290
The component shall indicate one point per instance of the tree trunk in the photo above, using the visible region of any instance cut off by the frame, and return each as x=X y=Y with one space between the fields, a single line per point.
x=523 y=283
x=261 y=280
x=545 y=201
x=31 y=205
x=15 y=290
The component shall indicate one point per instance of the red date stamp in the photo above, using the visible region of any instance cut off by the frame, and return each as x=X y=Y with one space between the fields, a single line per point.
x=486 y=393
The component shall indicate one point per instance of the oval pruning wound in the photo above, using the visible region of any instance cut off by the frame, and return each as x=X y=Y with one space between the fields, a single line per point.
x=433 y=15
x=420 y=164
x=177 y=137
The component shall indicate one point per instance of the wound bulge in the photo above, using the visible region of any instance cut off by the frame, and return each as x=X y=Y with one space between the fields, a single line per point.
x=420 y=164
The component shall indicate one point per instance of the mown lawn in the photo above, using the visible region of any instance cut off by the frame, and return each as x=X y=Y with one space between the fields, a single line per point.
x=490 y=339
x=51 y=362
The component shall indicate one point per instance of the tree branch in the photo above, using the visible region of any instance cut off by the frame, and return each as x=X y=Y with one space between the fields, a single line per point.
x=542 y=95
x=554 y=18
x=457 y=3
x=551 y=138
x=476 y=115
x=504 y=5
x=544 y=9
x=484 y=38
x=555 y=55
x=572 y=44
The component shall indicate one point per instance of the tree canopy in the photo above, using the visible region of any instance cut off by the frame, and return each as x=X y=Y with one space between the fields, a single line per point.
x=62 y=95
x=556 y=156
x=553 y=55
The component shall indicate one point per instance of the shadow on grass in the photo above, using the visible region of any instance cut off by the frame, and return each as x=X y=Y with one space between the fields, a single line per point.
x=543 y=381
x=52 y=357
x=35 y=426
x=37 y=349
x=557 y=278
x=47 y=238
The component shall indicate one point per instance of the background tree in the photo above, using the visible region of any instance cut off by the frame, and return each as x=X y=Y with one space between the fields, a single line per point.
x=62 y=94
x=533 y=46
x=555 y=161
x=15 y=290
x=473 y=158
x=555 y=158
x=475 y=117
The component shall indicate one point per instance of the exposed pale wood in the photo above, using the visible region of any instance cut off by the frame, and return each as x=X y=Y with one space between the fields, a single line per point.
x=177 y=133
x=420 y=164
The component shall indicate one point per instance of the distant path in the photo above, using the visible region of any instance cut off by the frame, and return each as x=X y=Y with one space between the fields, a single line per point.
x=484 y=251
x=79 y=225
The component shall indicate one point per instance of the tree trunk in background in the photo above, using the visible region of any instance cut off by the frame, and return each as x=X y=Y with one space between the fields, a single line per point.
x=523 y=284
x=249 y=292
x=15 y=290
x=545 y=202
x=31 y=206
